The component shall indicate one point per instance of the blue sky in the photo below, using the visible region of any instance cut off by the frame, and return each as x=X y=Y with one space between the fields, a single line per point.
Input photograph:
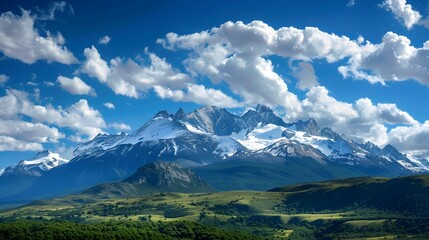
x=360 y=66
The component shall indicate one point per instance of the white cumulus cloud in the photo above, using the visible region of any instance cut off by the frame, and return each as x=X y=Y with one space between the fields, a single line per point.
x=11 y=144
x=403 y=12
x=129 y=78
x=395 y=59
x=197 y=94
x=120 y=126
x=409 y=138
x=3 y=79
x=109 y=105
x=104 y=40
x=306 y=76
x=20 y=40
x=362 y=120
x=79 y=117
x=75 y=86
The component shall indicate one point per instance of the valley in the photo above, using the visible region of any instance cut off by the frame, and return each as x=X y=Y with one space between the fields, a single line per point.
x=294 y=212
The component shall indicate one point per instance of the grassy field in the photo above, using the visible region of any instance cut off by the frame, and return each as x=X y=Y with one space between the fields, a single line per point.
x=232 y=209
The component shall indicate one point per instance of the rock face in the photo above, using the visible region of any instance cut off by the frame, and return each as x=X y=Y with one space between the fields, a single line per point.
x=154 y=177
x=168 y=176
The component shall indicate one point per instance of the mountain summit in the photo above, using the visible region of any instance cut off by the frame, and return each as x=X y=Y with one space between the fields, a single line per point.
x=154 y=177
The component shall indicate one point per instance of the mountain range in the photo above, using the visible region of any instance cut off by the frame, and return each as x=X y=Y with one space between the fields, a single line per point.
x=257 y=150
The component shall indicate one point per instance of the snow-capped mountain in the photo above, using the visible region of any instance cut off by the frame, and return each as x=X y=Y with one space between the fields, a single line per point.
x=42 y=162
x=214 y=136
x=305 y=137
x=17 y=178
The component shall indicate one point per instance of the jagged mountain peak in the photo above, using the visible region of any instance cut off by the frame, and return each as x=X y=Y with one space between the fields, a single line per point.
x=370 y=144
x=42 y=154
x=372 y=148
x=214 y=120
x=153 y=177
x=310 y=126
x=262 y=115
x=329 y=133
x=210 y=109
x=390 y=151
x=263 y=109
x=162 y=126
x=167 y=175
x=162 y=114
x=180 y=114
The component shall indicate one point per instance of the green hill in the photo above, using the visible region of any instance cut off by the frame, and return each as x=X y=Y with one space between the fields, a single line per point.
x=405 y=194
x=151 y=178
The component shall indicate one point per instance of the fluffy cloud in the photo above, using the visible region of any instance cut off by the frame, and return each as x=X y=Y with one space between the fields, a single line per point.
x=403 y=12
x=75 y=86
x=50 y=14
x=220 y=52
x=20 y=40
x=259 y=38
x=408 y=138
x=198 y=94
x=306 y=76
x=29 y=132
x=395 y=59
x=120 y=126
x=129 y=78
x=109 y=105
x=361 y=120
x=104 y=40
x=11 y=144
x=3 y=79
x=94 y=65
x=79 y=117
x=238 y=54
x=21 y=135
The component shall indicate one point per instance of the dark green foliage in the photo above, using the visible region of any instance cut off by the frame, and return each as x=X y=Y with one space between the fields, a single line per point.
x=116 y=230
x=261 y=220
x=402 y=195
x=176 y=212
x=233 y=208
x=404 y=228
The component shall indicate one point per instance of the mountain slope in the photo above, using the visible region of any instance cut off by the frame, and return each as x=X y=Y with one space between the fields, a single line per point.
x=405 y=194
x=154 y=177
x=262 y=171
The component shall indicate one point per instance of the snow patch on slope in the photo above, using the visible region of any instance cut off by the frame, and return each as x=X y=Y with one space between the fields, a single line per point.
x=422 y=163
x=227 y=146
x=260 y=137
x=45 y=163
x=264 y=136
x=155 y=129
